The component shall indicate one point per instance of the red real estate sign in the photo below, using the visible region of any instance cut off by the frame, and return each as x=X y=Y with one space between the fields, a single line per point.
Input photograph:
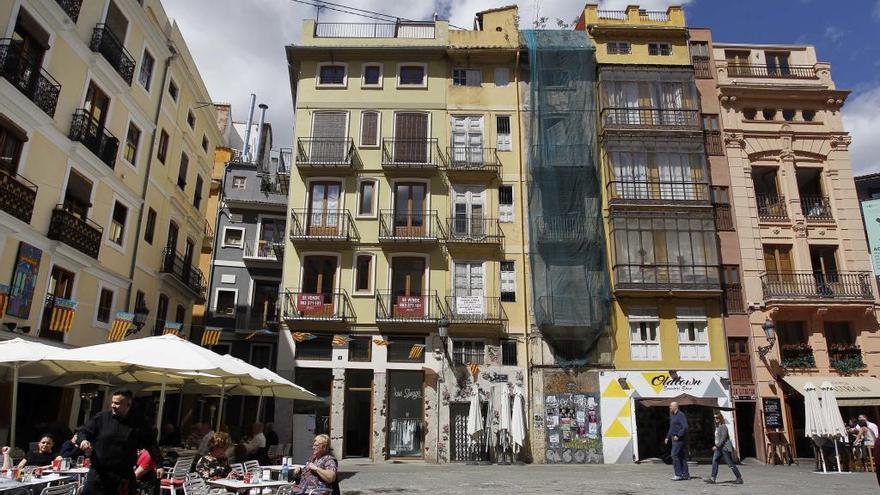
x=409 y=306
x=310 y=304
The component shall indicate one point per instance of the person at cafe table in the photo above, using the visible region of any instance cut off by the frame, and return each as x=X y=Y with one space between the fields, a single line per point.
x=41 y=457
x=319 y=475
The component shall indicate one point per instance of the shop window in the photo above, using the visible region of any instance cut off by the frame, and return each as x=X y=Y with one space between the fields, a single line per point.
x=406 y=350
x=468 y=351
x=359 y=349
x=406 y=412
x=693 y=334
x=319 y=348
x=644 y=330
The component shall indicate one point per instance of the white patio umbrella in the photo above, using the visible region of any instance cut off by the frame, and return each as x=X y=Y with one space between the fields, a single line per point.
x=814 y=426
x=475 y=417
x=489 y=431
x=504 y=421
x=517 y=423
x=833 y=421
x=278 y=387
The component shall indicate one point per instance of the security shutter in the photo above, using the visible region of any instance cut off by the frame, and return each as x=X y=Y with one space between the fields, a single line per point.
x=328 y=137
x=411 y=138
x=370 y=129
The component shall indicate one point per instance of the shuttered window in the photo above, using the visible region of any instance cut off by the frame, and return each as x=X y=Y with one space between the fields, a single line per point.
x=508 y=282
x=502 y=132
x=370 y=128
x=505 y=204
x=328 y=133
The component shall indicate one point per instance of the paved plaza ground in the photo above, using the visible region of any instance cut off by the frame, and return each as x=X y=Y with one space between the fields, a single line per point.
x=364 y=478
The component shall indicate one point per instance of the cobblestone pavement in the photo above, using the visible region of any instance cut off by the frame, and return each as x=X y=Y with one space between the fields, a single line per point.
x=364 y=478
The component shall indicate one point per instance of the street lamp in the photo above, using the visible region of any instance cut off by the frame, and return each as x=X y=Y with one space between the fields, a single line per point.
x=140 y=319
x=443 y=331
x=770 y=333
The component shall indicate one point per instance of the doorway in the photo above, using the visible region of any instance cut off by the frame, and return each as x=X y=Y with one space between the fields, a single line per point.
x=411 y=137
x=468 y=213
x=78 y=195
x=407 y=286
x=358 y=419
x=409 y=209
x=319 y=277
x=745 y=429
x=60 y=287
x=323 y=218
x=406 y=410
x=467 y=140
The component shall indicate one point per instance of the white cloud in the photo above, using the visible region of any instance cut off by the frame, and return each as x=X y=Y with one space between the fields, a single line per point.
x=876 y=10
x=861 y=117
x=833 y=34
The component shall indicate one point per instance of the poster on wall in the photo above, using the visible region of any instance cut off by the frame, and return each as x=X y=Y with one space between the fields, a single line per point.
x=573 y=429
x=871 y=213
x=24 y=280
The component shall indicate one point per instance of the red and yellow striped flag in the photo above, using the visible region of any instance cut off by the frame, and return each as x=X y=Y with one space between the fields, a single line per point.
x=62 y=315
x=4 y=298
x=380 y=342
x=211 y=336
x=474 y=368
x=172 y=328
x=416 y=351
x=340 y=340
x=302 y=336
x=120 y=326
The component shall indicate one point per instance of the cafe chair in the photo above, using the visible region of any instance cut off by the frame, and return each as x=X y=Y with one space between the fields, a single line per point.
x=195 y=485
x=68 y=489
x=274 y=452
x=251 y=465
x=177 y=476
x=237 y=468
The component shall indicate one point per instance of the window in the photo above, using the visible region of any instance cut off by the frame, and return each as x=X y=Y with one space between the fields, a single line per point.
x=468 y=351
x=233 y=237
x=412 y=75
x=508 y=352
x=191 y=119
x=319 y=348
x=644 y=334
x=700 y=59
x=11 y=143
x=359 y=349
x=661 y=49
x=331 y=75
x=502 y=133
x=363 y=276
x=180 y=314
x=505 y=204
x=151 y=226
x=467 y=77
x=239 y=182
x=370 y=128
x=372 y=76
x=367 y=199
x=777 y=64
x=508 y=282
x=162 y=152
x=837 y=333
x=140 y=299
x=197 y=194
x=225 y=305
x=161 y=314
x=710 y=122
x=205 y=143
x=618 y=48
x=809 y=115
x=145 y=76
x=502 y=77
x=105 y=305
x=699 y=49
x=693 y=334
x=261 y=355
x=406 y=350
x=172 y=89
x=181 y=172
x=116 y=233
x=132 y=138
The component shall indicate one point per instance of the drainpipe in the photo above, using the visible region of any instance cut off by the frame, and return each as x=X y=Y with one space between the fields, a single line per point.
x=245 y=149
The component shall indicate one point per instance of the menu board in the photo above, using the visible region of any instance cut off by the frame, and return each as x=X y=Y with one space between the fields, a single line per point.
x=772 y=413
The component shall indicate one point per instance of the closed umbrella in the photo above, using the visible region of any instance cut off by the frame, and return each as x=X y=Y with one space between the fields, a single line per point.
x=517 y=423
x=489 y=430
x=475 y=417
x=814 y=425
x=833 y=421
x=504 y=422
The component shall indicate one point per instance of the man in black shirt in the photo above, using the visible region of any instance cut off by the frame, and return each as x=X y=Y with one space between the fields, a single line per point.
x=111 y=439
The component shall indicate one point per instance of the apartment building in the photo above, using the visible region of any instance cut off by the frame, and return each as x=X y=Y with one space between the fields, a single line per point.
x=403 y=267
x=663 y=254
x=106 y=154
x=810 y=294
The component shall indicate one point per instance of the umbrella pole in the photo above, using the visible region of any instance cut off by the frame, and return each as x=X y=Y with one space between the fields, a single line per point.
x=161 y=407
x=220 y=408
x=14 y=404
x=837 y=454
x=260 y=406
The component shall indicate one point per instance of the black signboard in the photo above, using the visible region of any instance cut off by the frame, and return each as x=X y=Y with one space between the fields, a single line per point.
x=772 y=413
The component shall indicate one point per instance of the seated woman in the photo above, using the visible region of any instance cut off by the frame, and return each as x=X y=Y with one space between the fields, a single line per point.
x=41 y=457
x=319 y=475
x=70 y=448
x=215 y=464
x=146 y=473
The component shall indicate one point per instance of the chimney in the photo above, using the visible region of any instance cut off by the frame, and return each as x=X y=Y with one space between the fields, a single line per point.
x=257 y=152
x=247 y=130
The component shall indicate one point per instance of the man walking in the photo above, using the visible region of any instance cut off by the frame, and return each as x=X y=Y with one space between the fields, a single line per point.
x=677 y=435
x=723 y=448
x=112 y=439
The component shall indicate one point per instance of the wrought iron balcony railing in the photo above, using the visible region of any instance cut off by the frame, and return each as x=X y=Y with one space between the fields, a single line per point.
x=462 y=159
x=701 y=67
x=207 y=238
x=108 y=45
x=398 y=307
x=333 y=306
x=657 y=192
x=92 y=134
x=797 y=356
x=816 y=208
x=473 y=230
x=191 y=277
x=475 y=309
x=325 y=153
x=411 y=154
x=410 y=226
x=666 y=277
x=322 y=225
x=17 y=196
x=77 y=232
x=845 y=358
x=713 y=142
x=771 y=207
x=641 y=117
x=810 y=286
x=734 y=302
x=404 y=29
x=775 y=72
x=562 y=229
x=723 y=217
x=32 y=80
x=71 y=8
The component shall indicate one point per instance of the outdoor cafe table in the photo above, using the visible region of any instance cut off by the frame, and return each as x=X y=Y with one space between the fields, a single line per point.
x=7 y=484
x=241 y=486
x=79 y=472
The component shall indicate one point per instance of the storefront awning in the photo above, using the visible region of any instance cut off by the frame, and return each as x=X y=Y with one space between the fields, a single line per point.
x=684 y=400
x=850 y=390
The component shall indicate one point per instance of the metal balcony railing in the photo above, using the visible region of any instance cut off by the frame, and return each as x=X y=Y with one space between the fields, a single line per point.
x=472 y=159
x=108 y=45
x=333 y=306
x=657 y=192
x=816 y=208
x=807 y=285
x=411 y=154
x=473 y=230
x=642 y=117
x=175 y=264
x=92 y=134
x=77 y=232
x=475 y=309
x=32 y=80
x=771 y=207
x=322 y=225
x=666 y=277
x=565 y=311
x=334 y=153
x=723 y=217
x=207 y=238
x=845 y=358
x=410 y=226
x=701 y=67
x=776 y=72
x=17 y=196
x=734 y=302
x=71 y=8
x=395 y=306
x=713 y=142
x=403 y=29
x=262 y=250
x=562 y=229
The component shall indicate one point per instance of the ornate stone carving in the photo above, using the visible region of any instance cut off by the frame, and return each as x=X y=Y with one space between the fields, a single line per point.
x=841 y=141
x=799 y=228
x=734 y=140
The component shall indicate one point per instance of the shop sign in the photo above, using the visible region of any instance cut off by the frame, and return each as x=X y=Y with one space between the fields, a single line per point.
x=772 y=413
x=677 y=384
x=24 y=280
x=744 y=392
x=409 y=306
x=310 y=304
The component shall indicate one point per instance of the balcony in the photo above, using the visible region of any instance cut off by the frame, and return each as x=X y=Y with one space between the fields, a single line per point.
x=17 y=196
x=467 y=161
x=207 y=238
x=780 y=72
x=713 y=142
x=649 y=118
x=325 y=154
x=71 y=8
x=817 y=286
x=32 y=80
x=108 y=45
x=261 y=252
x=562 y=229
x=657 y=192
x=175 y=265
x=566 y=311
x=403 y=30
x=667 y=277
x=702 y=68
x=845 y=358
x=474 y=231
x=393 y=307
x=411 y=154
x=410 y=226
x=475 y=310
x=724 y=218
x=77 y=232
x=328 y=307
x=94 y=137
x=327 y=226
x=734 y=301
x=816 y=209
x=771 y=207
x=797 y=356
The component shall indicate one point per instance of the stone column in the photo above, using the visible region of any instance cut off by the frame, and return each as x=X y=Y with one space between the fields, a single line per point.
x=337 y=406
x=380 y=416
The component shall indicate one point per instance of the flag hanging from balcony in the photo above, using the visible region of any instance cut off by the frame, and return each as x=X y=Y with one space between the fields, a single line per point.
x=380 y=342
x=4 y=298
x=120 y=326
x=416 y=351
x=474 y=368
x=211 y=336
x=62 y=315
x=303 y=336
x=340 y=340
x=172 y=328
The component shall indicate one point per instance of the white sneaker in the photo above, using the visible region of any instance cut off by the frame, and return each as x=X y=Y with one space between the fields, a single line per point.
x=676 y=478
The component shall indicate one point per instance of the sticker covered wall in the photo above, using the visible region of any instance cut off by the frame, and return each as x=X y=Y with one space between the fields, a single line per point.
x=573 y=426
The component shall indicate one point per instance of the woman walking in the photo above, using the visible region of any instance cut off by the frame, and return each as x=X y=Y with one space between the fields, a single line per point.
x=723 y=448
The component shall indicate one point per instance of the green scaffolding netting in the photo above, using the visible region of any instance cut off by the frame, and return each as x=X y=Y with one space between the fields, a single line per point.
x=567 y=241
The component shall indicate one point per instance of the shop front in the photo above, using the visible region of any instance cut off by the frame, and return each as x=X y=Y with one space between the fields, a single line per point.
x=635 y=411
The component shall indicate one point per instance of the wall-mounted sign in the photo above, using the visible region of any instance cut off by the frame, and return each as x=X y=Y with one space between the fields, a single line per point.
x=24 y=279
x=409 y=306
x=743 y=392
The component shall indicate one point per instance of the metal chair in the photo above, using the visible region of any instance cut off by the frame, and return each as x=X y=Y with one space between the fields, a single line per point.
x=194 y=485
x=177 y=476
x=68 y=489
x=251 y=465
x=237 y=468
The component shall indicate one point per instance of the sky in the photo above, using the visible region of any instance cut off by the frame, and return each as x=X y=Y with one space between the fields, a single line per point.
x=238 y=45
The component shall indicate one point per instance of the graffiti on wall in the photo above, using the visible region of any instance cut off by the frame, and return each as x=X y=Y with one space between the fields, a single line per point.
x=573 y=429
